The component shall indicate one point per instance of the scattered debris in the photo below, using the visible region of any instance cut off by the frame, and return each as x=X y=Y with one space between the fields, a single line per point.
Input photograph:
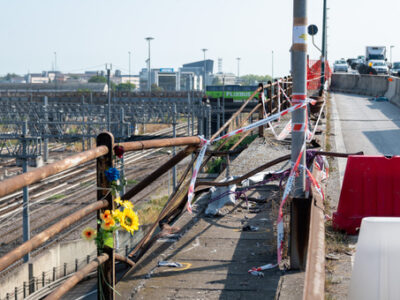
x=171 y=264
x=332 y=256
x=220 y=197
x=379 y=99
x=257 y=273
x=250 y=228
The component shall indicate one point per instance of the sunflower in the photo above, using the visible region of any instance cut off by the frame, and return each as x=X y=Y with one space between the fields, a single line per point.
x=124 y=203
x=107 y=224
x=129 y=220
x=88 y=233
x=106 y=216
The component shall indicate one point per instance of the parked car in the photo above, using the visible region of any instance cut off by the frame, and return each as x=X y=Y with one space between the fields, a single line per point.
x=379 y=66
x=395 y=69
x=340 y=66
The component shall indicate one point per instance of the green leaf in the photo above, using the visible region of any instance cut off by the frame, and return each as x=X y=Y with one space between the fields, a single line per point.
x=109 y=240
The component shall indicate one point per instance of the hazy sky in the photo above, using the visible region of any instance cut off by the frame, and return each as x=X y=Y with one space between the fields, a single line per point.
x=88 y=33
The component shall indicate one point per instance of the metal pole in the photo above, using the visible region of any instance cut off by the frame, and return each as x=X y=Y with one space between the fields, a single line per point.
x=129 y=52
x=25 y=210
x=299 y=72
x=188 y=115
x=298 y=220
x=109 y=98
x=204 y=66
x=323 y=56
x=223 y=100
x=148 y=39
x=174 y=148
x=238 y=69
x=218 y=113
x=46 y=140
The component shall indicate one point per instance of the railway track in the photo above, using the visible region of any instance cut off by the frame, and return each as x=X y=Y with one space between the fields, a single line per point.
x=76 y=187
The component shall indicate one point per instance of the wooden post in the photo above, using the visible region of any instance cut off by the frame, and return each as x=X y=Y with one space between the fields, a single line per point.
x=106 y=271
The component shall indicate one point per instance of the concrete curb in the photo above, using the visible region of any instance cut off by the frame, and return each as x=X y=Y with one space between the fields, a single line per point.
x=339 y=142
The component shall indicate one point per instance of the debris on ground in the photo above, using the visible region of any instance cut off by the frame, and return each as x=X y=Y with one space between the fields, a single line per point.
x=250 y=228
x=220 y=197
x=171 y=264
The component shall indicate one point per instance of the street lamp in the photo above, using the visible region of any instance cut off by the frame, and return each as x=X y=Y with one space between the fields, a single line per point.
x=129 y=53
x=238 y=68
x=391 y=47
x=148 y=39
x=204 y=55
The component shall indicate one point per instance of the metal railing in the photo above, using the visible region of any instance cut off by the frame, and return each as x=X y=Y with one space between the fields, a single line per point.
x=103 y=154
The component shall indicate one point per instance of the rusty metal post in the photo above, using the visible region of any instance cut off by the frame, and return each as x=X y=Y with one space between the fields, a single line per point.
x=269 y=96
x=106 y=271
x=260 y=117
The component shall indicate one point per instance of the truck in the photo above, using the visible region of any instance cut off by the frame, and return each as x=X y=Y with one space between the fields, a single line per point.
x=372 y=54
x=375 y=53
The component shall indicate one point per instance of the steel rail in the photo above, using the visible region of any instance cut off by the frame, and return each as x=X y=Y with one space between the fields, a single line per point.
x=15 y=183
x=160 y=143
x=45 y=235
x=158 y=172
x=78 y=276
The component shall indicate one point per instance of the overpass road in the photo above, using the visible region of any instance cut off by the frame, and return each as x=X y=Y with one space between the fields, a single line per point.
x=366 y=125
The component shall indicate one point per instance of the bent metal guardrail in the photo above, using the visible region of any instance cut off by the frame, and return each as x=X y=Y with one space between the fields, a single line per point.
x=103 y=154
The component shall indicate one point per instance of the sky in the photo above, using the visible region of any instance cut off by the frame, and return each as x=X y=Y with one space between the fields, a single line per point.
x=86 y=34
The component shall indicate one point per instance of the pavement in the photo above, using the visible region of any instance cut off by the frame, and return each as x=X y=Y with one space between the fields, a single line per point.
x=215 y=252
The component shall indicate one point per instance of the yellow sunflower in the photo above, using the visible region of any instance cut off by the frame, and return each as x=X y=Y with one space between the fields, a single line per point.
x=124 y=203
x=88 y=233
x=129 y=220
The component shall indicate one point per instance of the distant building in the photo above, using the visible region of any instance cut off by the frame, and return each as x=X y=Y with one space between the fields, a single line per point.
x=225 y=78
x=37 y=78
x=198 y=68
x=53 y=87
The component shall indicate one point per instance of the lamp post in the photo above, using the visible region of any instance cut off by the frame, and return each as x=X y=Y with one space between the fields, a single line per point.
x=148 y=39
x=391 y=47
x=238 y=68
x=129 y=53
x=204 y=59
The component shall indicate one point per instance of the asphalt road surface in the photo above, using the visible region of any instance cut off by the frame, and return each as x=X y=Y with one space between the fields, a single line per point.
x=369 y=126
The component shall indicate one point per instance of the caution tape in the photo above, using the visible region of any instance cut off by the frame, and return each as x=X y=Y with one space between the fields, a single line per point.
x=205 y=143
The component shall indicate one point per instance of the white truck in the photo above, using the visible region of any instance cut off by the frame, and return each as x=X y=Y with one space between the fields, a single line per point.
x=375 y=53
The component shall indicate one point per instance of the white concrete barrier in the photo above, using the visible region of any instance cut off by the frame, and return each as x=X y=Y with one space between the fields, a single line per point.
x=369 y=85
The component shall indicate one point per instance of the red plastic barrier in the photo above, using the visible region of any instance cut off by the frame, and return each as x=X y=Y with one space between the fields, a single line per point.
x=371 y=187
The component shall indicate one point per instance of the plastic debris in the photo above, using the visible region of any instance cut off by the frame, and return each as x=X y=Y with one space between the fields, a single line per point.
x=250 y=228
x=380 y=99
x=257 y=273
x=222 y=196
x=171 y=264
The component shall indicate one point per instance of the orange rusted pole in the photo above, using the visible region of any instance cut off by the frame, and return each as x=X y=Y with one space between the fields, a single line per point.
x=159 y=143
x=44 y=236
x=78 y=276
x=16 y=183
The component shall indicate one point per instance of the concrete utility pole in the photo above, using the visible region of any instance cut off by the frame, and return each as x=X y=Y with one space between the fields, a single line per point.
x=299 y=73
x=25 y=210
x=323 y=57
x=299 y=206
x=204 y=66
x=149 y=39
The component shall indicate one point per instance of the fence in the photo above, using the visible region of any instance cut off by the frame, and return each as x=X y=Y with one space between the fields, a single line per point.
x=273 y=97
